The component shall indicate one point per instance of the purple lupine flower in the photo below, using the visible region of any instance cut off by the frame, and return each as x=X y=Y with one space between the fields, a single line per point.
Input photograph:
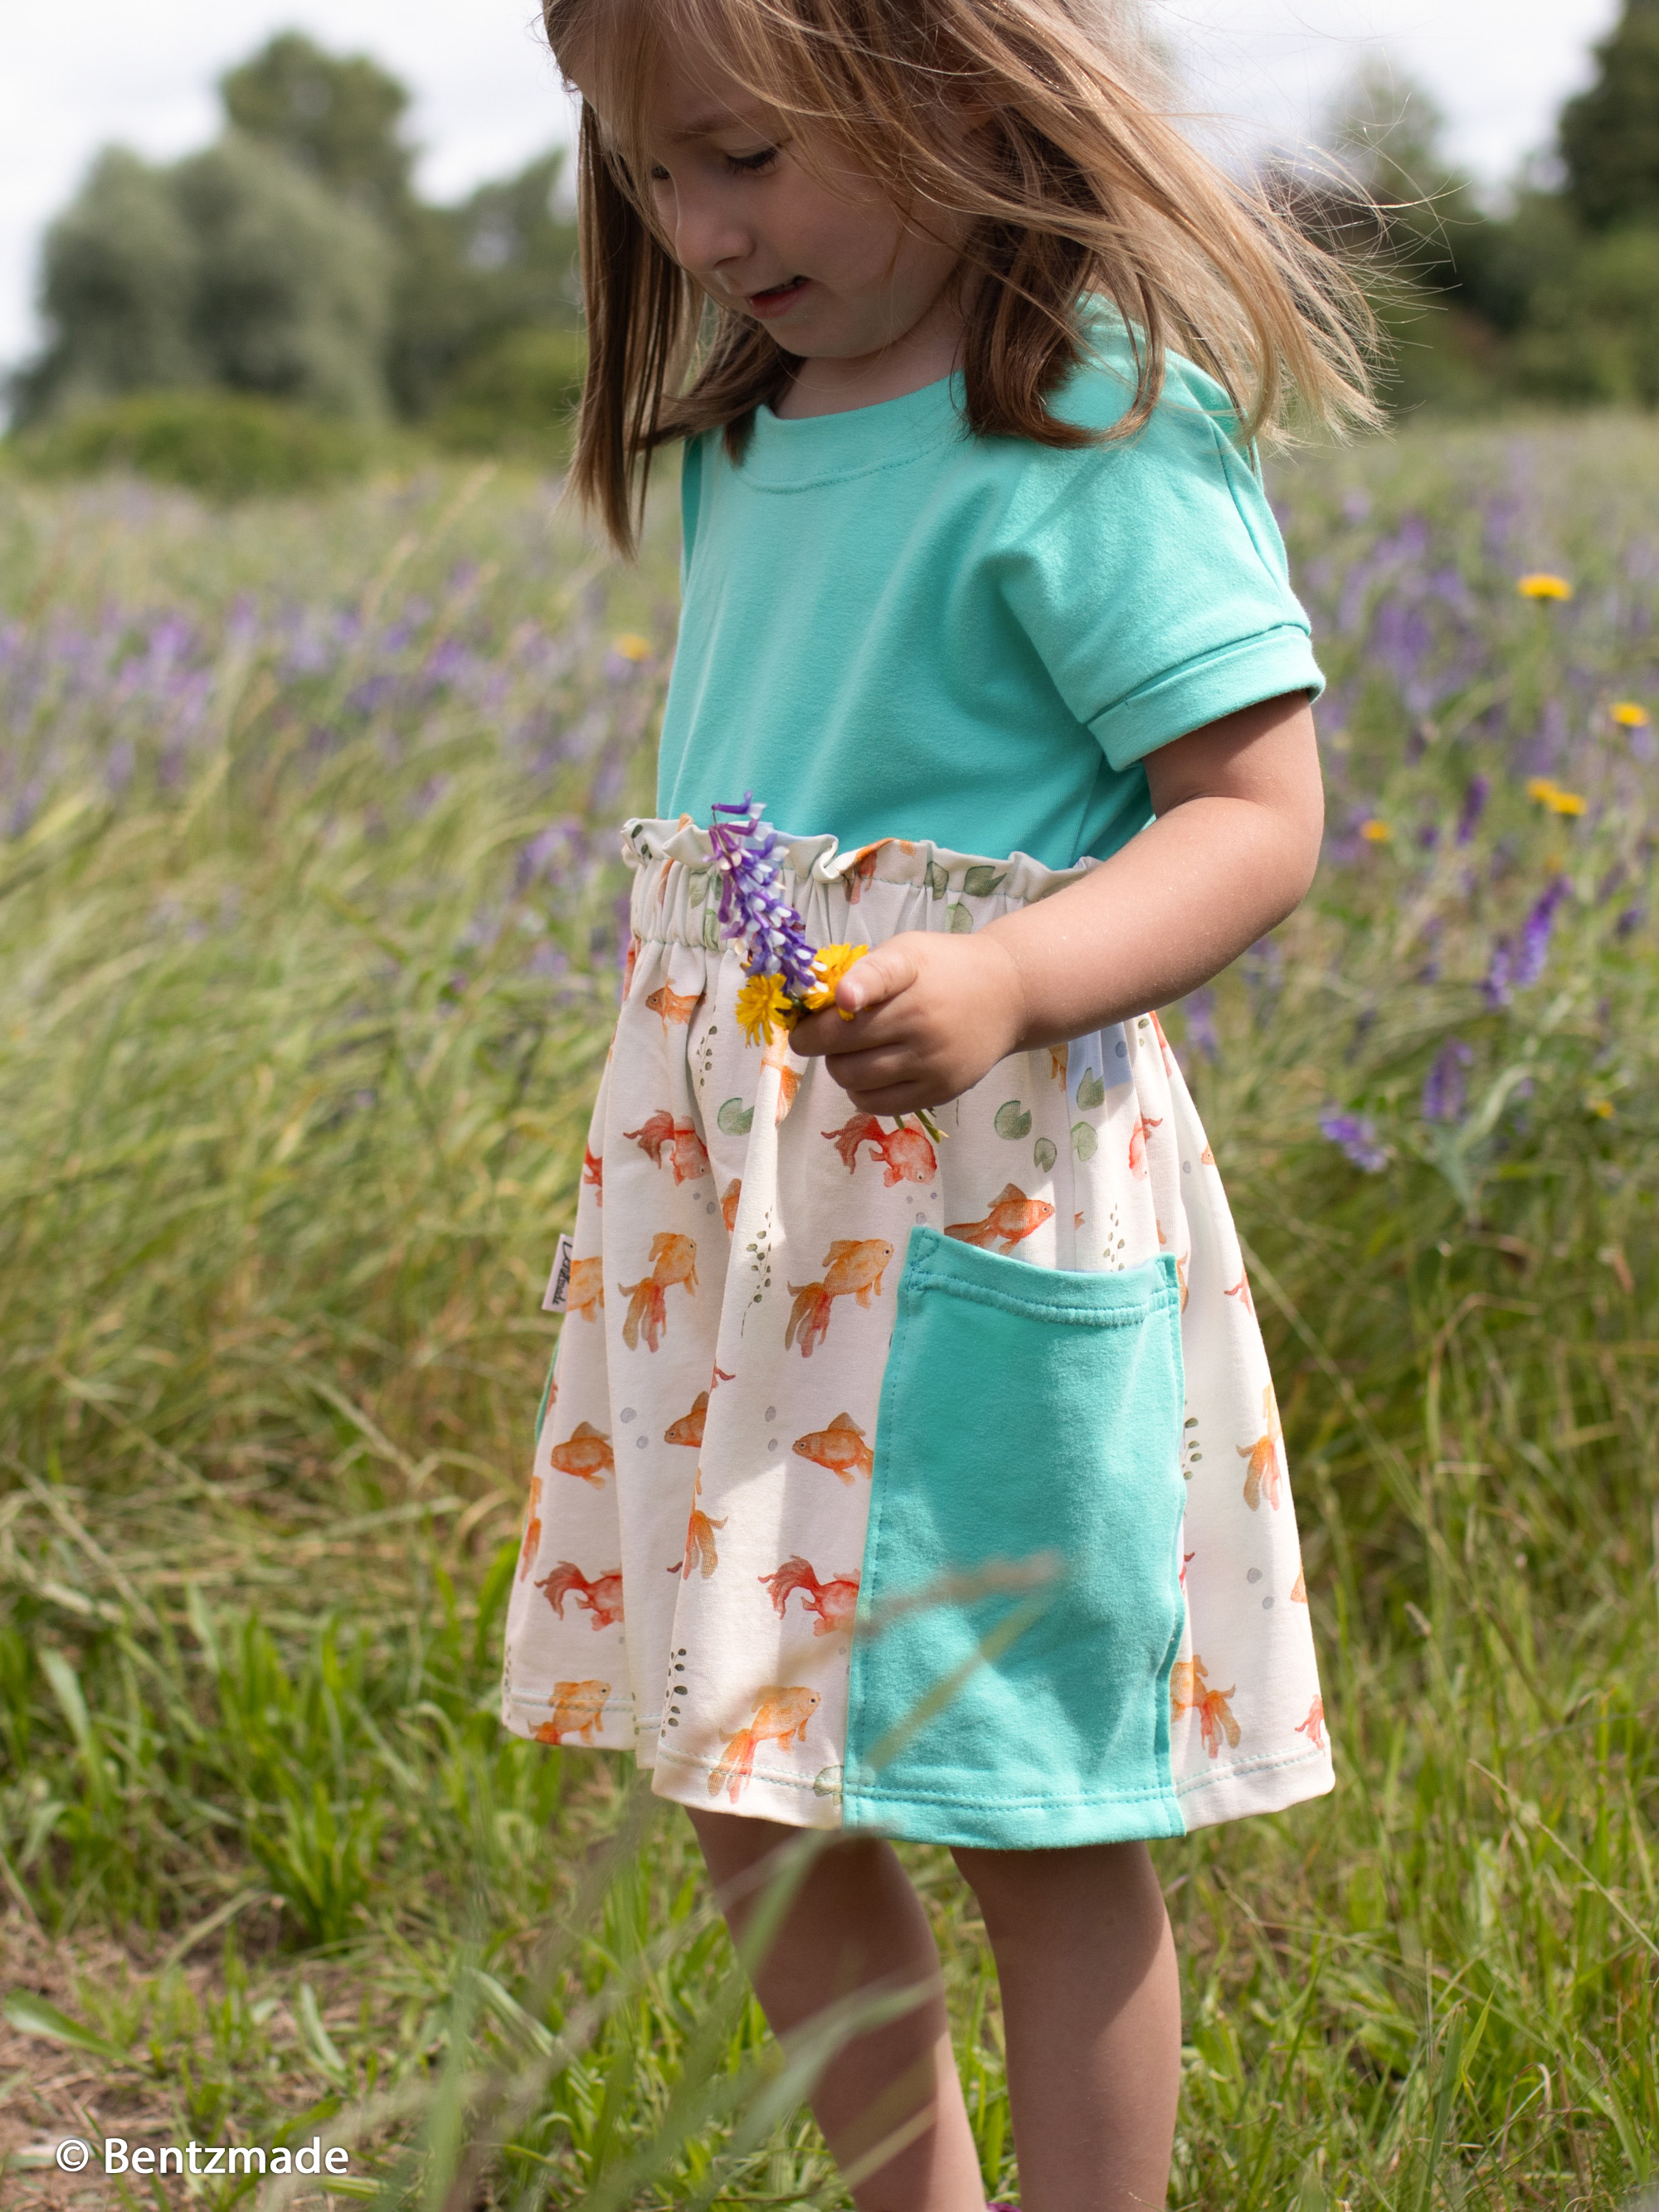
x=1200 y=1024
x=1355 y=1136
x=1474 y=806
x=1497 y=988
x=1445 y=1093
x=1532 y=950
x=753 y=910
x=1629 y=921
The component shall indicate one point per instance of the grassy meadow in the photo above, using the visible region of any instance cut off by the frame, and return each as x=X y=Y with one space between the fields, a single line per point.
x=308 y=945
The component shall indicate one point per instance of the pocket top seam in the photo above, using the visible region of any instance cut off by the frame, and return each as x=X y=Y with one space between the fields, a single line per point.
x=1077 y=1317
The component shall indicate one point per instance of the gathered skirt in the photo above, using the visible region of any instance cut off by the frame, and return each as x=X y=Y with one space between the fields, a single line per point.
x=930 y=1487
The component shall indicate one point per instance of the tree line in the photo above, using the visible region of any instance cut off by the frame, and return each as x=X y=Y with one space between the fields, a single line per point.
x=294 y=259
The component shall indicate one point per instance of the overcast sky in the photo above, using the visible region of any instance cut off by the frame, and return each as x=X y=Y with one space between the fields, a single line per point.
x=75 y=78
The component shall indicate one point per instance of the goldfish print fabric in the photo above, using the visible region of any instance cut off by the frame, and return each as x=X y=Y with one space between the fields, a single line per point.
x=688 y=1582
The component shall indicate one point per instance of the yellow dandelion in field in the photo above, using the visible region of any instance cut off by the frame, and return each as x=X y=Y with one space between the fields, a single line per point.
x=1628 y=715
x=1548 y=792
x=829 y=964
x=1543 y=586
x=765 y=1008
x=1603 y=1108
x=631 y=645
x=1375 y=832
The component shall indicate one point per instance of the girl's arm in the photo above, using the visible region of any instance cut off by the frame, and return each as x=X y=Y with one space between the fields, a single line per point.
x=1240 y=813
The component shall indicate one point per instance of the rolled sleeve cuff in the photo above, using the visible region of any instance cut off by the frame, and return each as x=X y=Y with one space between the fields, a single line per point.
x=1201 y=691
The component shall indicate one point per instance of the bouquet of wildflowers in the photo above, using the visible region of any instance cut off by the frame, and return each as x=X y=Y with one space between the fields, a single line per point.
x=787 y=977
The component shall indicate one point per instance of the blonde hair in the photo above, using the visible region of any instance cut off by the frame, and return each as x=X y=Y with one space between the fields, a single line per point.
x=1072 y=181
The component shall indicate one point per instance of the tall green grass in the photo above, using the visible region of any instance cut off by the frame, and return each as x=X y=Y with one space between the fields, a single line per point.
x=309 y=919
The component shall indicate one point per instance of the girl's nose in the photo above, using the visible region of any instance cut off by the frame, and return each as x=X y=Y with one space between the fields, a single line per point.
x=705 y=236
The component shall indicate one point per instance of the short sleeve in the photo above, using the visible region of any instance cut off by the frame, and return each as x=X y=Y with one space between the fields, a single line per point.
x=1150 y=575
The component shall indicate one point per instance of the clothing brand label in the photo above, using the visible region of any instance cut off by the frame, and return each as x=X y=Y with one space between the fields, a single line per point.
x=556 y=1296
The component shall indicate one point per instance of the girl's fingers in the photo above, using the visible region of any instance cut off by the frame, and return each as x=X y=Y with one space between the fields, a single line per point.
x=879 y=977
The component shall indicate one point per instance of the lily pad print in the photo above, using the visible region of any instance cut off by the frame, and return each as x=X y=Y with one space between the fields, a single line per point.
x=1012 y=1120
x=1044 y=1154
x=1091 y=1090
x=735 y=1118
x=1084 y=1142
x=959 y=920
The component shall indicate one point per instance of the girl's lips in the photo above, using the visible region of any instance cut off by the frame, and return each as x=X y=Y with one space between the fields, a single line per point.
x=780 y=297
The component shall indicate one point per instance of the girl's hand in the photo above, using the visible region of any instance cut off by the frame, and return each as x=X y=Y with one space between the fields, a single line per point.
x=931 y=1014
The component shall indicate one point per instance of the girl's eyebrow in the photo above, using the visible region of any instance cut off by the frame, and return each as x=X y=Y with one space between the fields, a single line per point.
x=723 y=118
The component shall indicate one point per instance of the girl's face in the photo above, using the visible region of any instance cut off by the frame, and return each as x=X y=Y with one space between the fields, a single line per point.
x=817 y=255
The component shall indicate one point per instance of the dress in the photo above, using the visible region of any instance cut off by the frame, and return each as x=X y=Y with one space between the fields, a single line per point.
x=935 y=1489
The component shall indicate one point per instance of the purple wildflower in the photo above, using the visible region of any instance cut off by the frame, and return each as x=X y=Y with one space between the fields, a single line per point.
x=1444 y=1090
x=1497 y=988
x=1355 y=1136
x=1629 y=921
x=1474 y=806
x=1532 y=950
x=753 y=908
x=1200 y=1024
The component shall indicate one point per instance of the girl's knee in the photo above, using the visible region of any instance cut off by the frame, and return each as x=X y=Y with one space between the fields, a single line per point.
x=1016 y=1888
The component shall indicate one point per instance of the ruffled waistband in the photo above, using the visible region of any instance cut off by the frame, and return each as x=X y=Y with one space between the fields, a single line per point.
x=677 y=891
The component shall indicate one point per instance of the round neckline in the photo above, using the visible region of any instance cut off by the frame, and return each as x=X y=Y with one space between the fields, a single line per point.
x=787 y=453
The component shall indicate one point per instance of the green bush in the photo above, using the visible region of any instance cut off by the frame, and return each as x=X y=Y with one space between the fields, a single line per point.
x=519 y=399
x=225 y=445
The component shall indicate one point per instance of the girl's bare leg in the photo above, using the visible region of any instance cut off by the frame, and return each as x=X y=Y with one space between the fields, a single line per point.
x=1092 y=2007
x=856 y=1924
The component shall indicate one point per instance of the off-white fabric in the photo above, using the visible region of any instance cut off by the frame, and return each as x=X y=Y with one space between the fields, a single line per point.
x=696 y=1521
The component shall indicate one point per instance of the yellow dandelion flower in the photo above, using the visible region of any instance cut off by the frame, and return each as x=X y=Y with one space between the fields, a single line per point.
x=765 y=1009
x=1375 y=832
x=1603 y=1108
x=830 y=964
x=1543 y=586
x=1566 y=802
x=1540 y=787
x=1628 y=715
x=632 y=645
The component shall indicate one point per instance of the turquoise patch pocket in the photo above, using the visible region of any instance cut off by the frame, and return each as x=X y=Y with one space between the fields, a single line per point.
x=1020 y=1604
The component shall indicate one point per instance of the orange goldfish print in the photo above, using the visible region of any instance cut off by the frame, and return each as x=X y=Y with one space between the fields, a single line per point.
x=780 y=1717
x=904 y=1152
x=674 y=1260
x=672 y=1006
x=586 y=1454
x=1060 y=1060
x=577 y=1710
x=1241 y=1290
x=629 y=964
x=840 y=1448
x=532 y=1528
x=699 y=1539
x=854 y=1267
x=1190 y=1693
x=1138 y=1142
x=679 y=1140
x=1163 y=1043
x=1299 y=1586
x=594 y=1174
x=688 y=1429
x=1012 y=1216
x=863 y=870
x=587 y=1292
x=834 y=1603
x=603 y=1597
x=1314 y=1726
x=1264 y=1471
x=729 y=1203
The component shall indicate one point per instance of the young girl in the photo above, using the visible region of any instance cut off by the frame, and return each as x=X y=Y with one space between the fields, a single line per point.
x=911 y=1466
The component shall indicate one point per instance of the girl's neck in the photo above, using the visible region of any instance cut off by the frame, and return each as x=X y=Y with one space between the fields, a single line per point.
x=926 y=354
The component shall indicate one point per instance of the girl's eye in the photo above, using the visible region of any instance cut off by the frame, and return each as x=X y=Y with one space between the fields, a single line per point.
x=753 y=165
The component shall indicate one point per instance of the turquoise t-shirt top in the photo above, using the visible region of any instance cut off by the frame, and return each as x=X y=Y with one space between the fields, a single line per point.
x=891 y=628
